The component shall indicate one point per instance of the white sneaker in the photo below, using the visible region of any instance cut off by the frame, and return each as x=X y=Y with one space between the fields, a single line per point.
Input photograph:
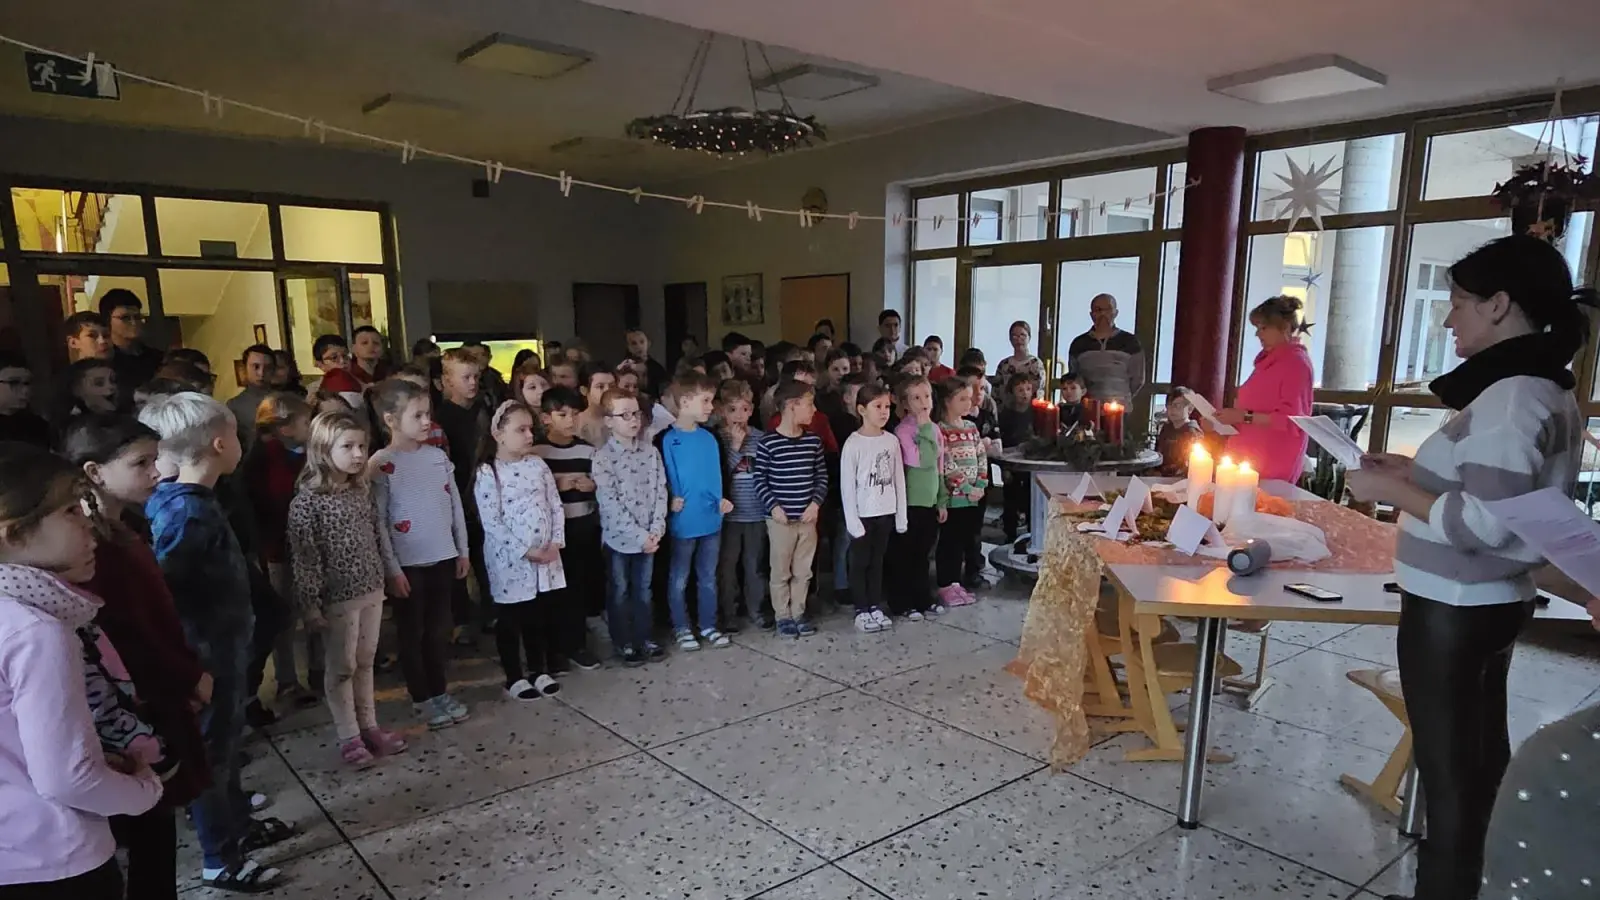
x=884 y=622
x=865 y=622
x=914 y=616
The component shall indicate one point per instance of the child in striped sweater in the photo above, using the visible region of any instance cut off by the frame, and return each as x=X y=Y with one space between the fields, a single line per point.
x=965 y=471
x=792 y=481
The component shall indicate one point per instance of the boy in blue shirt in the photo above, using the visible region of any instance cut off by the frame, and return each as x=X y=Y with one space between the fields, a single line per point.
x=692 y=456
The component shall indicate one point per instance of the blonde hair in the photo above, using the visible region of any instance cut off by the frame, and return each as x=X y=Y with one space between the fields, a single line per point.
x=612 y=395
x=188 y=423
x=1282 y=311
x=319 y=475
x=279 y=409
x=461 y=356
x=733 y=390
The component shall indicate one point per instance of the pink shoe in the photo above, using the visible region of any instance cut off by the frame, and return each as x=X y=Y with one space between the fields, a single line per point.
x=356 y=754
x=383 y=742
x=967 y=597
x=950 y=595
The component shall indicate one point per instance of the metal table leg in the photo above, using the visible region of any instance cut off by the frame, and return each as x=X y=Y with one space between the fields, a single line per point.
x=1412 y=804
x=1208 y=640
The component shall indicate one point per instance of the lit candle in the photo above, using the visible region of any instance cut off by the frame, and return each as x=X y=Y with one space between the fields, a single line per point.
x=1245 y=486
x=1111 y=414
x=1046 y=419
x=1222 y=498
x=1200 y=468
x=1090 y=417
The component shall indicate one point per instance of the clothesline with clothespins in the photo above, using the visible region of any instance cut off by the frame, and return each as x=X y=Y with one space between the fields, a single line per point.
x=216 y=105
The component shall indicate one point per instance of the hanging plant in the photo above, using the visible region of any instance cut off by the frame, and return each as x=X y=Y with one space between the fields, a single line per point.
x=1541 y=197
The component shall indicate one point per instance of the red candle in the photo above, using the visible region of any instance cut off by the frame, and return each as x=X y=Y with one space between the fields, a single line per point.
x=1111 y=413
x=1046 y=419
x=1091 y=414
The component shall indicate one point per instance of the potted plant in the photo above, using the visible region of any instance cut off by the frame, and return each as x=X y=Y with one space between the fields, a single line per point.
x=1541 y=197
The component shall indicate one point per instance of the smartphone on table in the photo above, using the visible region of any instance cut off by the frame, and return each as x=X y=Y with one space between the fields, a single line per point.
x=1312 y=592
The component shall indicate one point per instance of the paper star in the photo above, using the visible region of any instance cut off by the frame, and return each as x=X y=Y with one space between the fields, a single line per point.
x=1310 y=279
x=1304 y=196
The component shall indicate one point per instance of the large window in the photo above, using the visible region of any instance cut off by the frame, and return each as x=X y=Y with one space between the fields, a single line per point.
x=1010 y=214
x=1471 y=163
x=935 y=309
x=1365 y=172
x=1002 y=295
x=51 y=220
x=1107 y=203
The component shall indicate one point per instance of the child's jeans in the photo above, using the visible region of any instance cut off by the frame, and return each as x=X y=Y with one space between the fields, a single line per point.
x=628 y=606
x=841 y=558
x=221 y=813
x=351 y=646
x=794 y=546
x=701 y=553
x=283 y=663
x=743 y=545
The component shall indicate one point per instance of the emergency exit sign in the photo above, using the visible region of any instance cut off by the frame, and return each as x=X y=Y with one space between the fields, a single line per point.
x=68 y=77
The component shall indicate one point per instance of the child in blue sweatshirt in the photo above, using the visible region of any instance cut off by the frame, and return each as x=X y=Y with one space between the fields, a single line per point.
x=210 y=582
x=692 y=456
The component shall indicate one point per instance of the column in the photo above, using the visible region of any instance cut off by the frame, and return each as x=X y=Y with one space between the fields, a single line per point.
x=1354 y=309
x=1206 y=262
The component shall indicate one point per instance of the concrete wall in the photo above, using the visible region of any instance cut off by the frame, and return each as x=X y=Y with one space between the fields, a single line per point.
x=868 y=176
x=525 y=232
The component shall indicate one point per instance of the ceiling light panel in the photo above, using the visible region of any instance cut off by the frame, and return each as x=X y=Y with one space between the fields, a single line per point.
x=1300 y=79
x=527 y=57
x=811 y=82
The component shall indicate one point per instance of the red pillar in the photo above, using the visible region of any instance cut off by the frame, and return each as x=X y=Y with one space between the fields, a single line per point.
x=1206 y=263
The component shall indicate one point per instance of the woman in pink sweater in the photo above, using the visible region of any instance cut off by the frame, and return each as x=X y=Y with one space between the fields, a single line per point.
x=1279 y=387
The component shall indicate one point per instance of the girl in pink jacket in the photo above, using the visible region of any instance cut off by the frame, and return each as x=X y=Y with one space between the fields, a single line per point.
x=1279 y=387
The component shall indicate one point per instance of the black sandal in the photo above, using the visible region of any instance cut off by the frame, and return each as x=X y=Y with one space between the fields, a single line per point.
x=245 y=877
x=264 y=832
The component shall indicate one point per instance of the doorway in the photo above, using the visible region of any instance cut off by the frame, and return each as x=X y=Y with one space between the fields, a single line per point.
x=686 y=318
x=602 y=315
x=806 y=300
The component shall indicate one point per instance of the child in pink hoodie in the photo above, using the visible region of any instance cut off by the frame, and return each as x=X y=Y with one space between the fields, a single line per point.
x=1279 y=387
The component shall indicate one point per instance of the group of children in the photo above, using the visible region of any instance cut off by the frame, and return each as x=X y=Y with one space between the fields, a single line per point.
x=569 y=492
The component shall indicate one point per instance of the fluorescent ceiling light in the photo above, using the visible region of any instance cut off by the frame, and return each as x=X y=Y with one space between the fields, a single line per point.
x=1299 y=79
x=413 y=105
x=522 y=56
x=810 y=82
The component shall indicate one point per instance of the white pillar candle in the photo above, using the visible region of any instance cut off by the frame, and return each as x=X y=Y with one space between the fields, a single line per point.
x=1245 y=487
x=1200 y=469
x=1222 y=498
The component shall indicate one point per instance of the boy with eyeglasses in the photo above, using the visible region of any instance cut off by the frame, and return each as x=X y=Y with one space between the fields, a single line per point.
x=134 y=361
x=630 y=485
x=17 y=422
x=332 y=355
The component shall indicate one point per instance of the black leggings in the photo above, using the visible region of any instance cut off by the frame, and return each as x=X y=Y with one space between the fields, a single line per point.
x=422 y=628
x=273 y=614
x=152 y=844
x=1453 y=666
x=104 y=883
x=910 y=550
x=526 y=627
x=953 y=562
x=866 y=562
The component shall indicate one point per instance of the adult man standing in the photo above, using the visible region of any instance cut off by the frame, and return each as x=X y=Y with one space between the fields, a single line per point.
x=653 y=373
x=134 y=361
x=1110 y=360
x=889 y=330
x=258 y=367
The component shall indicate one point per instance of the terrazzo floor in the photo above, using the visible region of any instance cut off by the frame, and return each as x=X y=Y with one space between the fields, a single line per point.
x=852 y=766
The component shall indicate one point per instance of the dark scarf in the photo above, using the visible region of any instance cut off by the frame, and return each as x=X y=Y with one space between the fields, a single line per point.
x=1538 y=355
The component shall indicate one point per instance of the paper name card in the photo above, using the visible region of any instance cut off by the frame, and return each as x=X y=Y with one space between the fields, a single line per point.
x=1207 y=412
x=1190 y=531
x=1139 y=499
x=1331 y=438
x=1084 y=488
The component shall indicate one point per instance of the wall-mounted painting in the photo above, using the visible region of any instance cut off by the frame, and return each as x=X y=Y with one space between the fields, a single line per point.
x=742 y=300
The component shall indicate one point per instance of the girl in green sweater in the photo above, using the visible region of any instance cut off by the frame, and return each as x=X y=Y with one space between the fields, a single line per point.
x=922 y=445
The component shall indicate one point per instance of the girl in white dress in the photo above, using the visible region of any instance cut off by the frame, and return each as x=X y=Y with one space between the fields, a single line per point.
x=524 y=531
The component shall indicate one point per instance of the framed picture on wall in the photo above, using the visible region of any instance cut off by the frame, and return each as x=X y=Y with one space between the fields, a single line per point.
x=742 y=300
x=261 y=333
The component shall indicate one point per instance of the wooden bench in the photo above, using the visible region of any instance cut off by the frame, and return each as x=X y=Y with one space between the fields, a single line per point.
x=1385 y=790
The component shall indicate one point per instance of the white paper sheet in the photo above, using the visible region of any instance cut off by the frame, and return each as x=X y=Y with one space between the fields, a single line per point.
x=1189 y=530
x=1207 y=412
x=1549 y=522
x=1116 y=517
x=1331 y=438
x=1139 y=496
x=1084 y=488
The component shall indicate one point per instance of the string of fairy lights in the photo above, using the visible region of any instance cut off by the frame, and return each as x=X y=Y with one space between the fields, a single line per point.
x=313 y=128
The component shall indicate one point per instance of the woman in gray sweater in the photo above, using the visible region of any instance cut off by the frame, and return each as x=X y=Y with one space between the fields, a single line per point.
x=1466 y=582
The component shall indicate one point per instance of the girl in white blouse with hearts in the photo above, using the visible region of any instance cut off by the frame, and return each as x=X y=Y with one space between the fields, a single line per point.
x=524 y=530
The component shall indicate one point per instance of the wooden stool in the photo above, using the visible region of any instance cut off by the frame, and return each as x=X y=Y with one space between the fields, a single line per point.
x=1105 y=696
x=1385 y=790
x=1258 y=684
x=1155 y=670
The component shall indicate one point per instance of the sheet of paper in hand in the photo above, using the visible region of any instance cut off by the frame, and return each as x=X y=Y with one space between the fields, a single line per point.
x=1331 y=438
x=1549 y=522
x=1207 y=412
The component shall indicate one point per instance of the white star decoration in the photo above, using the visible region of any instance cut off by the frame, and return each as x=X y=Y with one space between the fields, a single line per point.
x=1304 y=196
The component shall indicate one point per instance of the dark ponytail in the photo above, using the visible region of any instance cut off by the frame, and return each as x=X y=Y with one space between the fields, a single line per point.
x=1534 y=276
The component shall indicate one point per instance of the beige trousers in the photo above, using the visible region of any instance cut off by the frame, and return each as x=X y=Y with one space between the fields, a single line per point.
x=794 y=545
x=349 y=648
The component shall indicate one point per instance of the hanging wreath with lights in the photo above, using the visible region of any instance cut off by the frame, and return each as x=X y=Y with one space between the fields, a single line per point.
x=730 y=131
x=1541 y=197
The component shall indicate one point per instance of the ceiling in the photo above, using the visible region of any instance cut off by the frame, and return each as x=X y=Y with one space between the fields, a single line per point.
x=1146 y=62
x=326 y=60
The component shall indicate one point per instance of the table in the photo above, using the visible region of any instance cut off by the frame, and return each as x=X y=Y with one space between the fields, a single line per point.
x=1214 y=595
x=1006 y=557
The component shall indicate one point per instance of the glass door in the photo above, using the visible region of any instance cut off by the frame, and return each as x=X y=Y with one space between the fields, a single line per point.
x=315 y=301
x=1079 y=283
x=66 y=287
x=1002 y=294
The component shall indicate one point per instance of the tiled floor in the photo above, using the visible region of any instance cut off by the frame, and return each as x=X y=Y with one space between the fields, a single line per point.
x=847 y=766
